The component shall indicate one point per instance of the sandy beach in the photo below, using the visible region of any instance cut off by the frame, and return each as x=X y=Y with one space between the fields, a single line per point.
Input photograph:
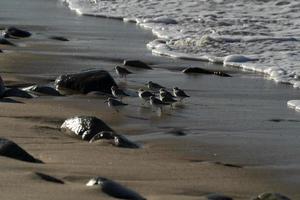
x=240 y=139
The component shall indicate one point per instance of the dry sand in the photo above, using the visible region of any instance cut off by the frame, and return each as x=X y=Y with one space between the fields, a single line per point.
x=225 y=119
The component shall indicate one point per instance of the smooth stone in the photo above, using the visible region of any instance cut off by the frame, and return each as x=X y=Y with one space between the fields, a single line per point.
x=4 y=41
x=42 y=90
x=217 y=197
x=59 y=38
x=136 y=64
x=15 y=92
x=13 y=32
x=12 y=150
x=114 y=189
x=115 y=139
x=85 y=82
x=84 y=126
x=271 y=196
x=48 y=178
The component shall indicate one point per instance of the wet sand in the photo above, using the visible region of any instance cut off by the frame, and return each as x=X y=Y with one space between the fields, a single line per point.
x=241 y=139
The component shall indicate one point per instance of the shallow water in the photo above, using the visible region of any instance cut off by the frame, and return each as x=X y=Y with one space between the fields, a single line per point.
x=211 y=30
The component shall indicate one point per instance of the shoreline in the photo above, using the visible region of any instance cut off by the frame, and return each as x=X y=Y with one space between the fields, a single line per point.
x=167 y=166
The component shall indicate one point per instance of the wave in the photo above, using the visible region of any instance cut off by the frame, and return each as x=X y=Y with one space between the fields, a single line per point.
x=259 y=35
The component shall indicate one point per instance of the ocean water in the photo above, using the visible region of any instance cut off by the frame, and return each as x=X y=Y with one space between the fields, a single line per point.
x=258 y=35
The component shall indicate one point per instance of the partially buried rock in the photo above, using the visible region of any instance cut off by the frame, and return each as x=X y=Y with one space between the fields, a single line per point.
x=13 y=32
x=4 y=41
x=45 y=90
x=85 y=127
x=12 y=150
x=114 y=189
x=115 y=139
x=271 y=196
x=217 y=197
x=85 y=82
x=136 y=64
x=59 y=38
x=15 y=92
x=2 y=87
x=198 y=70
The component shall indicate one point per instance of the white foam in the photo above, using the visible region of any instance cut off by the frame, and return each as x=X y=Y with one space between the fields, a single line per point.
x=260 y=36
x=294 y=104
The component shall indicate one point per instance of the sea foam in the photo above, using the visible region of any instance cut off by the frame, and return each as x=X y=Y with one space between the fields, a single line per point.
x=260 y=36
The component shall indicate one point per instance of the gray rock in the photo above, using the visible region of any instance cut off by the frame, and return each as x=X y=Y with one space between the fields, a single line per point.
x=271 y=196
x=13 y=32
x=85 y=82
x=136 y=64
x=85 y=127
x=115 y=139
x=12 y=150
x=114 y=189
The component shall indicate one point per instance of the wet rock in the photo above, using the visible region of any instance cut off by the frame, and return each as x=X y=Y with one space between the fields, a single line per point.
x=15 y=92
x=271 y=196
x=198 y=70
x=136 y=64
x=4 y=41
x=59 y=38
x=2 y=87
x=85 y=127
x=85 y=82
x=12 y=150
x=48 y=178
x=46 y=90
x=217 y=197
x=13 y=32
x=114 y=139
x=114 y=189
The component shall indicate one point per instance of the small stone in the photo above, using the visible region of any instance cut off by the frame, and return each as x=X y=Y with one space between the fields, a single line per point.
x=136 y=64
x=13 y=32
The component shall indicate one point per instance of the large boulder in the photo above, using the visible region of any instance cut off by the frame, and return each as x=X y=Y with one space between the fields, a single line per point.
x=114 y=189
x=85 y=82
x=13 y=32
x=271 y=196
x=12 y=150
x=85 y=127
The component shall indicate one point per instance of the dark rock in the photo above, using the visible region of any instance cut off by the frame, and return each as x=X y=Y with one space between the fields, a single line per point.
x=115 y=139
x=2 y=87
x=48 y=178
x=59 y=38
x=13 y=32
x=217 y=197
x=271 y=196
x=84 y=126
x=42 y=90
x=219 y=73
x=198 y=70
x=4 y=41
x=177 y=132
x=136 y=64
x=12 y=150
x=86 y=82
x=115 y=189
x=1 y=51
x=15 y=92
